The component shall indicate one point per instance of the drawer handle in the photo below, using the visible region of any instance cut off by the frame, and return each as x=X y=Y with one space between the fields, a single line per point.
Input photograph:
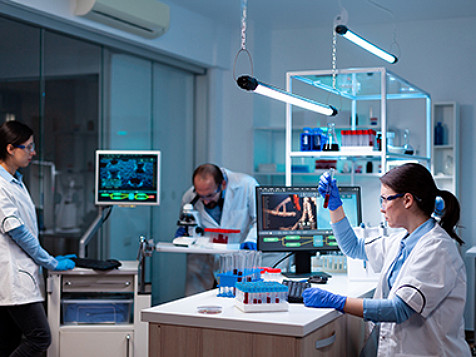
x=126 y=283
x=326 y=342
x=128 y=343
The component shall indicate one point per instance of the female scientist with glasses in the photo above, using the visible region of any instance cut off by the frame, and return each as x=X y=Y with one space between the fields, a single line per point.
x=21 y=292
x=417 y=309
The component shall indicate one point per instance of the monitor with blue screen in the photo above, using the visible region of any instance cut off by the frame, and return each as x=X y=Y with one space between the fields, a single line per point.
x=292 y=219
x=127 y=177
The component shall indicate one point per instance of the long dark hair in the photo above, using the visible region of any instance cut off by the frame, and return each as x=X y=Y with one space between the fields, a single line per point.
x=15 y=133
x=417 y=180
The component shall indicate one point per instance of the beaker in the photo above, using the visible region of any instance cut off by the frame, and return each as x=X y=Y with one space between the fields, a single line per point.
x=331 y=140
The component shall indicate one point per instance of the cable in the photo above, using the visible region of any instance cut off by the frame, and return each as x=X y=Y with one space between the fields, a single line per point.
x=107 y=214
x=282 y=259
x=383 y=8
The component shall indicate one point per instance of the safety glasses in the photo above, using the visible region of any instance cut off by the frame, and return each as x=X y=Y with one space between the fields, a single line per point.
x=384 y=200
x=209 y=196
x=30 y=147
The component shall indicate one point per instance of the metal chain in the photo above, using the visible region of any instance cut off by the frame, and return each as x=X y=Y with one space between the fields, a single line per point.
x=244 y=8
x=334 y=58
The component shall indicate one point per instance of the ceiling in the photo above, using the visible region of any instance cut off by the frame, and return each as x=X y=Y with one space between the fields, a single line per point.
x=288 y=14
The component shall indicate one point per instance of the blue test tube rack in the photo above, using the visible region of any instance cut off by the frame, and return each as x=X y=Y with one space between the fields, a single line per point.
x=227 y=281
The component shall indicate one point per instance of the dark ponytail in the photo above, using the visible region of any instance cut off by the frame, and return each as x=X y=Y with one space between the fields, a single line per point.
x=417 y=180
x=451 y=214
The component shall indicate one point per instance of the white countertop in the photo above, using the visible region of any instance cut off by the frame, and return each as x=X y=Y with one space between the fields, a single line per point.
x=127 y=267
x=298 y=321
x=213 y=249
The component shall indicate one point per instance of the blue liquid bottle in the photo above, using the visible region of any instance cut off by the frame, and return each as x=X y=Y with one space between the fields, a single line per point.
x=306 y=139
x=316 y=142
x=439 y=134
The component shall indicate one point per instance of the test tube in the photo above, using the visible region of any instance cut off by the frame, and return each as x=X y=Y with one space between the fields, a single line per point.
x=229 y=271
x=328 y=191
x=222 y=271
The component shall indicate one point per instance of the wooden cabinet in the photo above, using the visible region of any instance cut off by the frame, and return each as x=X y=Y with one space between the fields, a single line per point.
x=172 y=340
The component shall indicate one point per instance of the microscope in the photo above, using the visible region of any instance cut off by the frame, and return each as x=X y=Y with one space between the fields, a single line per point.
x=189 y=220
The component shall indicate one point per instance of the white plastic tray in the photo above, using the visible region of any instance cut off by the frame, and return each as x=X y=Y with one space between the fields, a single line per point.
x=282 y=306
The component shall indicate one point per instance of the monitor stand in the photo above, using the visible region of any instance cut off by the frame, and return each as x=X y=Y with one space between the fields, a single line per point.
x=302 y=260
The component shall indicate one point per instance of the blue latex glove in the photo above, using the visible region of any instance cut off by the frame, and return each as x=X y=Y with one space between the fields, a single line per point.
x=68 y=256
x=315 y=297
x=249 y=246
x=324 y=184
x=65 y=264
x=180 y=232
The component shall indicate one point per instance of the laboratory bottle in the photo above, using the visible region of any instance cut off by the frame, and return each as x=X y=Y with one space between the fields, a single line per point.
x=306 y=139
x=439 y=134
x=316 y=139
x=331 y=142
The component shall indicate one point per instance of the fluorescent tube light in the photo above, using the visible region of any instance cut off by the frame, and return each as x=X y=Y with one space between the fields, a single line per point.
x=252 y=84
x=366 y=45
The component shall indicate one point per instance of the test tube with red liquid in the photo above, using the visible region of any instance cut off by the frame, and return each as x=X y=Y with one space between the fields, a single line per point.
x=328 y=191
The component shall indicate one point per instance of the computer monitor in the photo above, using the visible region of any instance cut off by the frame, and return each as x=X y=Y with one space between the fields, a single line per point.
x=292 y=219
x=127 y=177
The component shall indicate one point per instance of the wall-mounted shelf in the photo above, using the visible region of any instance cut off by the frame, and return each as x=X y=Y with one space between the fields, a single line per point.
x=445 y=163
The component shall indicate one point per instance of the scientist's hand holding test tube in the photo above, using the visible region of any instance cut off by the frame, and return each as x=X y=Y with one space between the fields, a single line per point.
x=315 y=297
x=328 y=189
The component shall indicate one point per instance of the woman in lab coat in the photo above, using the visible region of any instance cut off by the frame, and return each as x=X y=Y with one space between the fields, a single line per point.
x=21 y=293
x=417 y=309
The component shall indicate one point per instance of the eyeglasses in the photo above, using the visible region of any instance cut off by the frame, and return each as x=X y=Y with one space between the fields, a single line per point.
x=209 y=196
x=30 y=147
x=384 y=200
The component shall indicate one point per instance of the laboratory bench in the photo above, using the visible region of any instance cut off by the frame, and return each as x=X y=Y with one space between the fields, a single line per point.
x=177 y=329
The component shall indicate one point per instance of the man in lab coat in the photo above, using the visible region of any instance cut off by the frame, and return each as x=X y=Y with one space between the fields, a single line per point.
x=223 y=199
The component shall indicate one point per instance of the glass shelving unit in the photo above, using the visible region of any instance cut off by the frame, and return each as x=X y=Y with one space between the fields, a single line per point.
x=356 y=92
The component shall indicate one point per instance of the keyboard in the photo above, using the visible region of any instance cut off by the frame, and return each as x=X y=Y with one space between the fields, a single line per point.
x=296 y=289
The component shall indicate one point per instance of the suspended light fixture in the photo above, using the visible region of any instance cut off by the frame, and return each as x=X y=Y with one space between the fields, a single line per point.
x=366 y=45
x=252 y=84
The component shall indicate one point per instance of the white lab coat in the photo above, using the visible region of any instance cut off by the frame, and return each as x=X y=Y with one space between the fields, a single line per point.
x=239 y=212
x=20 y=279
x=432 y=281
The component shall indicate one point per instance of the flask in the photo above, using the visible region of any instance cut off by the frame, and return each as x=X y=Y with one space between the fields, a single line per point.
x=306 y=139
x=439 y=134
x=331 y=142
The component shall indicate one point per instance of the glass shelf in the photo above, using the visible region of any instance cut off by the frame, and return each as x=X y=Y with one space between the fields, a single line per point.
x=356 y=84
x=356 y=155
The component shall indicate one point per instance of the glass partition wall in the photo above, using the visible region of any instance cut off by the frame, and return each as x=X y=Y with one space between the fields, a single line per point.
x=78 y=97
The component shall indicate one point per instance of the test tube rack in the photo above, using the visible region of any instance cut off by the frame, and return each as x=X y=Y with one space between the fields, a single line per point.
x=227 y=281
x=263 y=296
